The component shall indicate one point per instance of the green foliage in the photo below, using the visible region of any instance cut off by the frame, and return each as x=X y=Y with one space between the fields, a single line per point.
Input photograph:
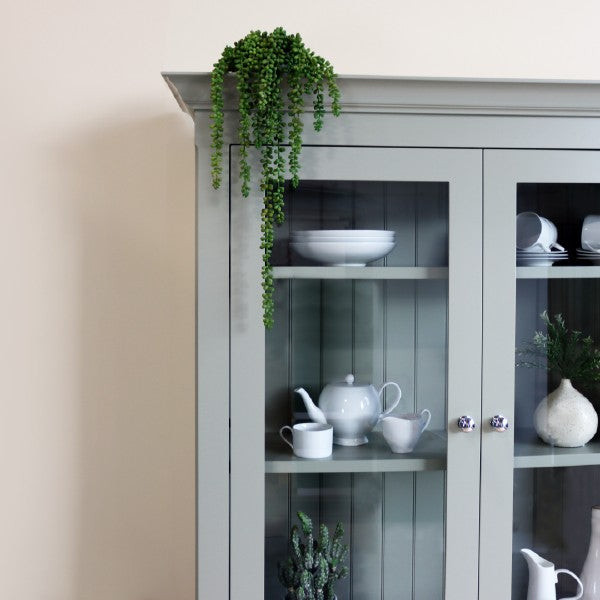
x=566 y=352
x=266 y=64
x=313 y=567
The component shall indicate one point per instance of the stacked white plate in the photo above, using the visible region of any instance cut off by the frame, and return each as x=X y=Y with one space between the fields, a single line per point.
x=343 y=247
x=589 y=256
x=540 y=259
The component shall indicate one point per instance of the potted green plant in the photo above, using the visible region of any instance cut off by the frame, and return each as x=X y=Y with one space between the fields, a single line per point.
x=565 y=417
x=314 y=565
x=275 y=72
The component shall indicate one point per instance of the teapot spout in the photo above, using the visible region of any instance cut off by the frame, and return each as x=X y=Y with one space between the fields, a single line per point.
x=314 y=412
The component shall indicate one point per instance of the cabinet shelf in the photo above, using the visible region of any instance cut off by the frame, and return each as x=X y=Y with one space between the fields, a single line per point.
x=376 y=456
x=531 y=453
x=360 y=272
x=553 y=272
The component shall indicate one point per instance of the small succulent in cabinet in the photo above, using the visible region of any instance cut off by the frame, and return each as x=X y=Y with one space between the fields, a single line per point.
x=314 y=565
x=275 y=71
x=563 y=351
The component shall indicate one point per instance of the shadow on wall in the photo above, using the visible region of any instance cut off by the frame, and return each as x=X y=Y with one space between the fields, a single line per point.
x=133 y=198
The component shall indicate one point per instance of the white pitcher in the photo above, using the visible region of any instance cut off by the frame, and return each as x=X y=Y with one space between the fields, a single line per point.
x=543 y=577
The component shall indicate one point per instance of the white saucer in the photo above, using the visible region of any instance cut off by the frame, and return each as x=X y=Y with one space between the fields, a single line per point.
x=556 y=253
x=540 y=261
x=550 y=255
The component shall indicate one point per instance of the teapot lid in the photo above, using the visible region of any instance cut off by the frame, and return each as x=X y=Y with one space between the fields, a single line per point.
x=348 y=382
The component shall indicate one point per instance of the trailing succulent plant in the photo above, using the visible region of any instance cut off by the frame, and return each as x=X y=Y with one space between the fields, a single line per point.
x=274 y=73
x=314 y=565
x=561 y=350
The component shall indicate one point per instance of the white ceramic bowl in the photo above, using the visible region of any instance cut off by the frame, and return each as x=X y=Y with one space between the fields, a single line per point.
x=312 y=233
x=354 y=240
x=349 y=254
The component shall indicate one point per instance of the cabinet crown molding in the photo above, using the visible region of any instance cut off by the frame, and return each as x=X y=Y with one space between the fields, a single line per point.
x=378 y=94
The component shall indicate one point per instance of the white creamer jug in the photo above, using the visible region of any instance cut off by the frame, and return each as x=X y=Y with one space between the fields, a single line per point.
x=543 y=577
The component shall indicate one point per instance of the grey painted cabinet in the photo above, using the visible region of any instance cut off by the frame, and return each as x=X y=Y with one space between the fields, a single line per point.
x=447 y=165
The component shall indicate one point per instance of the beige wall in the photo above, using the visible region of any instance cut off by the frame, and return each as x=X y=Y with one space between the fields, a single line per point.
x=96 y=251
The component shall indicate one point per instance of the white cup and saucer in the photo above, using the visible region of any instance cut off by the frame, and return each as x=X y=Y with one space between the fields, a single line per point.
x=536 y=241
x=590 y=234
x=536 y=234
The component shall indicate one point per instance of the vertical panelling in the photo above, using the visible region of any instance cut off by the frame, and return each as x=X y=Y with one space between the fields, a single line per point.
x=367 y=536
x=369 y=309
x=304 y=212
x=400 y=211
x=276 y=530
x=304 y=496
x=336 y=507
x=400 y=340
x=369 y=332
x=337 y=205
x=548 y=539
x=431 y=349
x=369 y=204
x=398 y=536
x=337 y=328
x=429 y=517
x=305 y=344
x=277 y=361
x=432 y=224
x=523 y=509
x=530 y=384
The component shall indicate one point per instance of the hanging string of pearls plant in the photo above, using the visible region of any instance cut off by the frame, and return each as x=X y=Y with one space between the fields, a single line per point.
x=275 y=71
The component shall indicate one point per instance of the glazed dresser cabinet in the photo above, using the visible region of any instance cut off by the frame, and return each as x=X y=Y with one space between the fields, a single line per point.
x=447 y=164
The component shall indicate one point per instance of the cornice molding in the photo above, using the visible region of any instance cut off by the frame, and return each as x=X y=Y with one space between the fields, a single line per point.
x=368 y=94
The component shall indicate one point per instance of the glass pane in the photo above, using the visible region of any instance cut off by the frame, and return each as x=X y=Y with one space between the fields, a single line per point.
x=387 y=328
x=416 y=212
x=555 y=487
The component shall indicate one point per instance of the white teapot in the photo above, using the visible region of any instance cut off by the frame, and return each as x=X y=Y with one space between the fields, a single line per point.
x=353 y=409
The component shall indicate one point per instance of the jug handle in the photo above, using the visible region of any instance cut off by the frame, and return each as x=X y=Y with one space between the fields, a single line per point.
x=396 y=401
x=579 y=584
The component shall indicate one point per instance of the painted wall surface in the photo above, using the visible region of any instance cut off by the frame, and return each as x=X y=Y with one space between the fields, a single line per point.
x=97 y=253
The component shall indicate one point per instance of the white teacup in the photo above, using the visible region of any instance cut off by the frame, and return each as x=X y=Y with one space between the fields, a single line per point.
x=535 y=233
x=309 y=440
x=590 y=233
x=403 y=432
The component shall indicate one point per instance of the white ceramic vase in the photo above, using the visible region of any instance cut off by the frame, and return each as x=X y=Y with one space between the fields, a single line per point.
x=590 y=575
x=565 y=417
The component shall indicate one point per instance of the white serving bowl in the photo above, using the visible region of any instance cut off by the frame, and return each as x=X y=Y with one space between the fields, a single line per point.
x=349 y=254
x=353 y=240
x=344 y=233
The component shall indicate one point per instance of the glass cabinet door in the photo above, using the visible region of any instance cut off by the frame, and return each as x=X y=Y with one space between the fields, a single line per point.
x=412 y=317
x=537 y=494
